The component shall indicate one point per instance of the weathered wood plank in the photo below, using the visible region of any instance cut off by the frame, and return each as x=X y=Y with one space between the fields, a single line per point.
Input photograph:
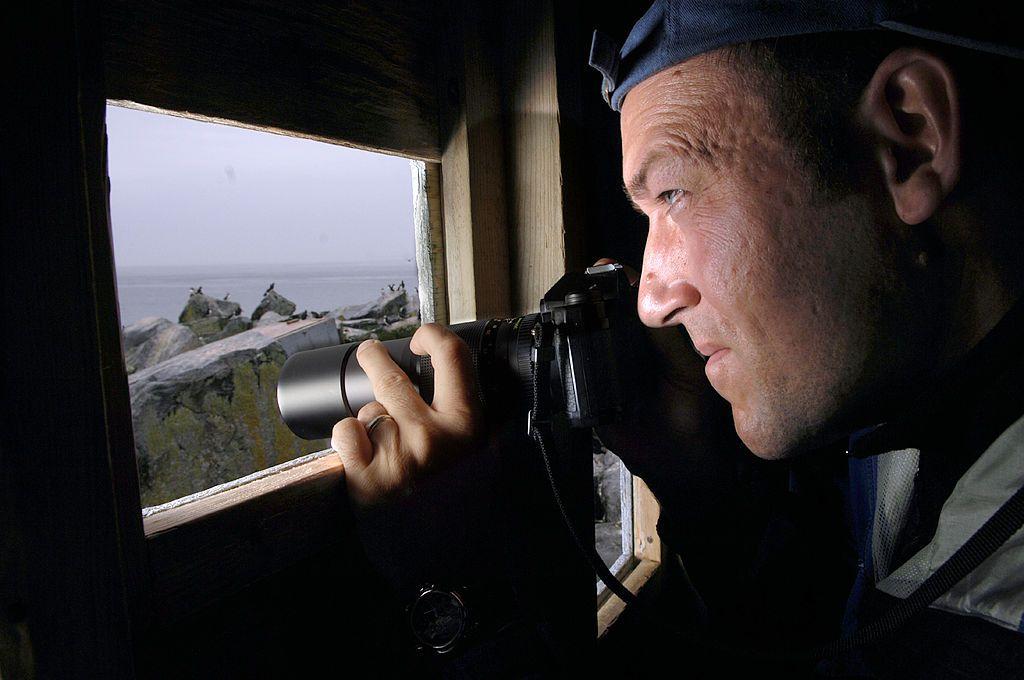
x=208 y=546
x=474 y=190
x=613 y=608
x=646 y=510
x=532 y=133
x=355 y=73
x=430 y=260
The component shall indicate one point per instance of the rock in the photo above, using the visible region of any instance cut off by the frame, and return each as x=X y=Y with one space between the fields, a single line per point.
x=273 y=302
x=355 y=334
x=200 y=306
x=208 y=328
x=207 y=316
x=402 y=328
x=607 y=501
x=151 y=340
x=210 y=415
x=608 y=541
x=297 y=336
x=236 y=324
x=269 y=318
x=390 y=305
x=361 y=324
x=412 y=308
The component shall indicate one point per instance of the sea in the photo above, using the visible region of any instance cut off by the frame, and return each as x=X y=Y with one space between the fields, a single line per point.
x=163 y=290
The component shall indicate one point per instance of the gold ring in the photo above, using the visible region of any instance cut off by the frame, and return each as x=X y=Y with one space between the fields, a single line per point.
x=375 y=422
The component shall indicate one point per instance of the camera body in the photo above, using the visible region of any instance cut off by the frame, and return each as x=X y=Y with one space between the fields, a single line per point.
x=573 y=335
x=555 y=365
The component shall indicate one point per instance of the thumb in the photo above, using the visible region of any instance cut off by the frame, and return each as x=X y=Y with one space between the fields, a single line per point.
x=631 y=273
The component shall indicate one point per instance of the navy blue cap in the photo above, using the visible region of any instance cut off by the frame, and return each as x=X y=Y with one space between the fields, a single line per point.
x=671 y=32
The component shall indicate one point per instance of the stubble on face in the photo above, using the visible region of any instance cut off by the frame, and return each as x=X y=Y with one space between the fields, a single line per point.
x=790 y=283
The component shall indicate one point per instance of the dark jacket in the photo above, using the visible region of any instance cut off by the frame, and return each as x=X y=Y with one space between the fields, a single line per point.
x=804 y=552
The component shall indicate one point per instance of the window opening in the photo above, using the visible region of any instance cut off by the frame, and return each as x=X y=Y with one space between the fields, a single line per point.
x=613 y=511
x=235 y=248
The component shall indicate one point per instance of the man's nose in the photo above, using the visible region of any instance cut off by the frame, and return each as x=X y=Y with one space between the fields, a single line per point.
x=660 y=302
x=665 y=287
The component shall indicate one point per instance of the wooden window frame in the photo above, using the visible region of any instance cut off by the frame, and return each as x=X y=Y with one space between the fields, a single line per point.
x=643 y=562
x=365 y=78
x=495 y=215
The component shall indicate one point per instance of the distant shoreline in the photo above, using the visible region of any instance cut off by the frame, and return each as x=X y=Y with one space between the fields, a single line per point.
x=162 y=290
x=368 y=263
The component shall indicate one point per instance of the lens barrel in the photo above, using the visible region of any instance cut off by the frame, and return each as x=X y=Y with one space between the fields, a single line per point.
x=319 y=387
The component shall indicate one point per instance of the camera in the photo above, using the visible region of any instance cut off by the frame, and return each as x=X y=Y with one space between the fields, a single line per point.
x=557 y=365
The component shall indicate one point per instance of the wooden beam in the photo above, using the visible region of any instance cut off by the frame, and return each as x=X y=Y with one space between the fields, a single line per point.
x=536 y=220
x=208 y=546
x=355 y=73
x=428 y=215
x=646 y=510
x=475 y=220
x=612 y=609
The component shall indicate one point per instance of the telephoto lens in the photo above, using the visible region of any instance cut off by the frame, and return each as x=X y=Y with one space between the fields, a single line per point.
x=319 y=387
x=558 y=362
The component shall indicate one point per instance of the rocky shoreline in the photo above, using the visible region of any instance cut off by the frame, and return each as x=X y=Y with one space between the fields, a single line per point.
x=205 y=319
x=204 y=390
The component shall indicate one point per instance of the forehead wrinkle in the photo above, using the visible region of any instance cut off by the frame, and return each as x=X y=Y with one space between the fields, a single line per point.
x=672 y=149
x=691 y=108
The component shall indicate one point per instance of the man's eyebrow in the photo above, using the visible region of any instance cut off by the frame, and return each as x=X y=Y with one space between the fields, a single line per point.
x=637 y=184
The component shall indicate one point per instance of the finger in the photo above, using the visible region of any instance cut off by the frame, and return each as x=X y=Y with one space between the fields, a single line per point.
x=454 y=380
x=391 y=386
x=384 y=436
x=349 y=439
x=371 y=411
x=631 y=274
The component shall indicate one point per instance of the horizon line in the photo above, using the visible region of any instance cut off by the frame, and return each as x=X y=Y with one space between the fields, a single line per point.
x=407 y=260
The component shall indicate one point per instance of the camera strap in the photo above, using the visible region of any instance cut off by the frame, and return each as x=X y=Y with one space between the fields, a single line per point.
x=537 y=423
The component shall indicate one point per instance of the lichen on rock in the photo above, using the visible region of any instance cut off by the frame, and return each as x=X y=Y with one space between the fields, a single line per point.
x=209 y=416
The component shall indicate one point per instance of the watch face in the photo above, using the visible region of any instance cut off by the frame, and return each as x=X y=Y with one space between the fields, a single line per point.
x=438 y=618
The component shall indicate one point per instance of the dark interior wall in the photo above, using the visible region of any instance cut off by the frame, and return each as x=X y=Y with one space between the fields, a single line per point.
x=611 y=227
x=68 y=566
x=329 y=614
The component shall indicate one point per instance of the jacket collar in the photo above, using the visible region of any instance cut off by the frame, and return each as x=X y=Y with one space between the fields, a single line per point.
x=969 y=404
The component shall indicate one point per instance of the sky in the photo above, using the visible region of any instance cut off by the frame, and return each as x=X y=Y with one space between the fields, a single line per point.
x=189 y=192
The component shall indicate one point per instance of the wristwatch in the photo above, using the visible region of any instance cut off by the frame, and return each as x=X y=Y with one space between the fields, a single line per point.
x=440 y=618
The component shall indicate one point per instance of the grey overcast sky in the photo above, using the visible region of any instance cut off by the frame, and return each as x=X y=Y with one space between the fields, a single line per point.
x=186 y=192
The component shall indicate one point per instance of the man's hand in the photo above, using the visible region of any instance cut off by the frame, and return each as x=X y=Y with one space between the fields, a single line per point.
x=409 y=437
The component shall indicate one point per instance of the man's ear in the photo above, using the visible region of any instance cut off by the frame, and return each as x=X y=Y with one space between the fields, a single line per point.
x=911 y=107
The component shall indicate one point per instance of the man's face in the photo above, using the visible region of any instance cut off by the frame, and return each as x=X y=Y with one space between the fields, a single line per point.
x=783 y=290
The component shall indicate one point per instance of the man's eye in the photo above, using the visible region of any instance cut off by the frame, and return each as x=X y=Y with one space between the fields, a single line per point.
x=672 y=196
